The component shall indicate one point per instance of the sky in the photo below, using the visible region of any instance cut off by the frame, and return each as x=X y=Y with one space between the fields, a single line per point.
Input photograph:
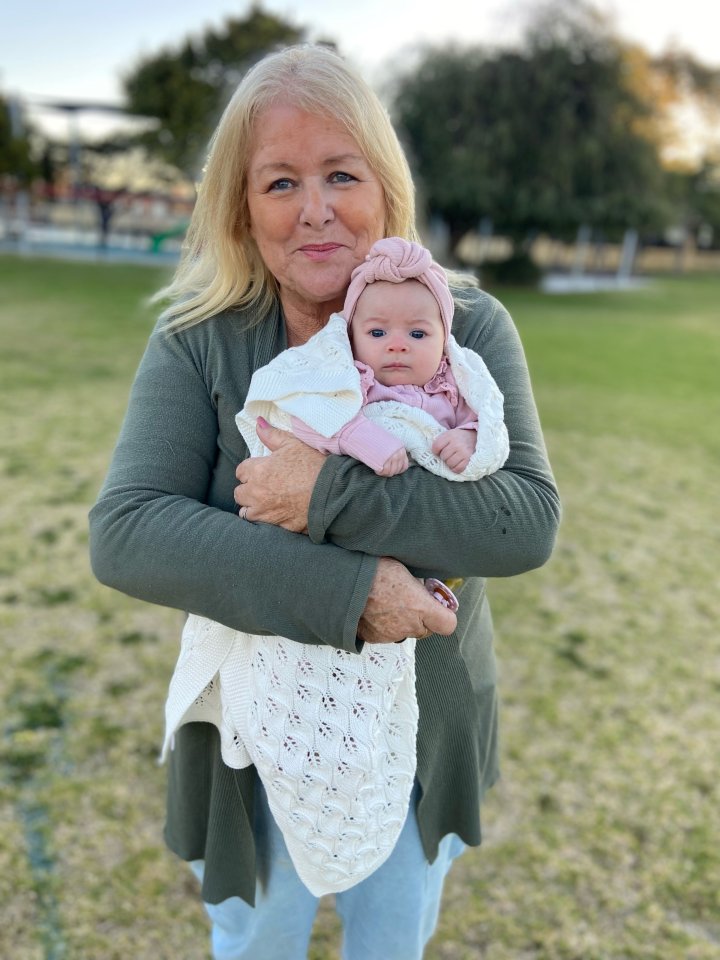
x=79 y=49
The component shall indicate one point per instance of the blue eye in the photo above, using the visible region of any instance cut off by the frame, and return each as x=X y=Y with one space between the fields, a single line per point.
x=417 y=334
x=340 y=177
x=377 y=333
x=282 y=184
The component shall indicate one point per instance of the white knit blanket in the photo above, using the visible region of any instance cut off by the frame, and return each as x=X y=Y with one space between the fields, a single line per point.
x=332 y=734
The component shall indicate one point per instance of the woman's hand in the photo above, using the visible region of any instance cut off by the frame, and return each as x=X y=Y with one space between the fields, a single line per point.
x=399 y=606
x=277 y=488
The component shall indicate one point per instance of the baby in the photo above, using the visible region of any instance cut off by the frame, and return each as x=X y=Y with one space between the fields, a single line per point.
x=399 y=312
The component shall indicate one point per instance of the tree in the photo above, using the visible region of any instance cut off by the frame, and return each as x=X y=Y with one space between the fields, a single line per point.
x=696 y=103
x=697 y=197
x=694 y=78
x=186 y=88
x=547 y=137
x=16 y=158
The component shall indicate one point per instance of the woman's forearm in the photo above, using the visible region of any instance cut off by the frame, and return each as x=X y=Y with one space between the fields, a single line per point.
x=154 y=536
x=252 y=577
x=499 y=526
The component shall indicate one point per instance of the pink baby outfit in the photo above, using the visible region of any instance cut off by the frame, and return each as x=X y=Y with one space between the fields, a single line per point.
x=368 y=442
x=394 y=260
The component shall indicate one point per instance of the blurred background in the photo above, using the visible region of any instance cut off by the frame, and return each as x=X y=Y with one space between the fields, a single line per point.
x=559 y=137
x=569 y=155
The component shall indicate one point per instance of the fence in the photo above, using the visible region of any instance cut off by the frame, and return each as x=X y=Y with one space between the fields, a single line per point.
x=600 y=258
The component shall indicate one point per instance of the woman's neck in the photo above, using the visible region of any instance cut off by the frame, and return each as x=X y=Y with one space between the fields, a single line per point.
x=304 y=321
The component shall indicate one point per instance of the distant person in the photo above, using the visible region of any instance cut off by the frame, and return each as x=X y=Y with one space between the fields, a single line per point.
x=305 y=174
x=106 y=201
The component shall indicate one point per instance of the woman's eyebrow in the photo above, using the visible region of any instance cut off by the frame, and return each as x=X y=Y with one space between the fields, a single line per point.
x=276 y=166
x=345 y=157
x=286 y=166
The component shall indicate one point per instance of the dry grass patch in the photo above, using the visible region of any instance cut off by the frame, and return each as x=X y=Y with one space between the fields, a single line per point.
x=602 y=838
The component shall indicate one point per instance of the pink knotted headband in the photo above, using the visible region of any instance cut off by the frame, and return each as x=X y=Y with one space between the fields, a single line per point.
x=394 y=259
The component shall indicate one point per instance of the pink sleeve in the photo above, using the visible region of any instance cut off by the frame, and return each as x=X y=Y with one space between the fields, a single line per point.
x=466 y=418
x=359 y=438
x=368 y=442
x=312 y=438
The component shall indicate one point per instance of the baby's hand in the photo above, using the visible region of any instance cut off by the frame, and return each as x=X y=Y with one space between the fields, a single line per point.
x=397 y=463
x=455 y=447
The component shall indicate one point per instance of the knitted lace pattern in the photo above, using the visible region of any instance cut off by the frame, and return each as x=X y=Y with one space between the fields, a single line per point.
x=331 y=733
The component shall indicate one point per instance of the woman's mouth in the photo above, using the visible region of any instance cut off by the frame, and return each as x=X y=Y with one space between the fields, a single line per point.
x=319 y=251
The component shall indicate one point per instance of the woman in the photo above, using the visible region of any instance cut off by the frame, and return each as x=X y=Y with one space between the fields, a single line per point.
x=304 y=174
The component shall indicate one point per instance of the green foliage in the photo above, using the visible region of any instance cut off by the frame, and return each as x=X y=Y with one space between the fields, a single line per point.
x=690 y=74
x=539 y=138
x=705 y=195
x=698 y=196
x=187 y=87
x=517 y=270
x=15 y=152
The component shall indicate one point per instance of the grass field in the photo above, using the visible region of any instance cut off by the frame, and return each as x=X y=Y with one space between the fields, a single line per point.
x=602 y=839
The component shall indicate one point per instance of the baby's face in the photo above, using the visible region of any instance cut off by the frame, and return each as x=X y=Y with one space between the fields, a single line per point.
x=398 y=331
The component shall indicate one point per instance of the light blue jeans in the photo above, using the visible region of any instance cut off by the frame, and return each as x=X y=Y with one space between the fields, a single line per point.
x=389 y=916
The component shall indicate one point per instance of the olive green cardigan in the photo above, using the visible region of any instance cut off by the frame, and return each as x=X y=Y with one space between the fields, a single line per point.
x=165 y=530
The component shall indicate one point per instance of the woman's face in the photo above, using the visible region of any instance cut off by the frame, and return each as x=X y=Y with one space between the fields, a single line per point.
x=315 y=206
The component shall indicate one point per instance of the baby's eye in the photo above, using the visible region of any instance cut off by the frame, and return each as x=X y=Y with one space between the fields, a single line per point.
x=417 y=334
x=377 y=333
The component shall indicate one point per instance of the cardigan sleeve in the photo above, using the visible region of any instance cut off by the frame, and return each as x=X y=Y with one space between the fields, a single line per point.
x=155 y=536
x=501 y=525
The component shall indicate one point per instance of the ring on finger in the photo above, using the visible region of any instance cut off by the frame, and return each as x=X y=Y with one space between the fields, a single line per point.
x=243 y=513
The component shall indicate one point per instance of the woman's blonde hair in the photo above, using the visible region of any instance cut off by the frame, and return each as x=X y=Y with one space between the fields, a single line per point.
x=220 y=266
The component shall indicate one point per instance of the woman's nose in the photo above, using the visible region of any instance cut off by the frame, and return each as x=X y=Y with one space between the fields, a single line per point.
x=317 y=209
